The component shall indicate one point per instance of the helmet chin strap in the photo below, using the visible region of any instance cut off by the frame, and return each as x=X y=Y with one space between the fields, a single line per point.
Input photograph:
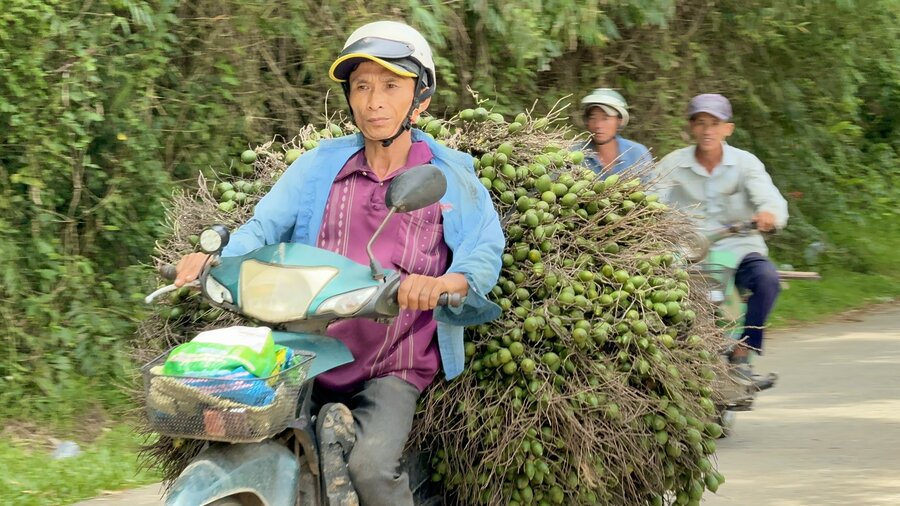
x=404 y=127
x=407 y=121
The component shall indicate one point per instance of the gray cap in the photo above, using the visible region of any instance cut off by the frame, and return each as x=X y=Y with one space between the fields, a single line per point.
x=711 y=103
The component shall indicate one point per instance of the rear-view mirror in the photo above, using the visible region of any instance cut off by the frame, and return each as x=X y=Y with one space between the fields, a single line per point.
x=416 y=188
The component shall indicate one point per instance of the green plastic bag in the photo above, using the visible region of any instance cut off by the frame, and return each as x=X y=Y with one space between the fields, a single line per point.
x=221 y=351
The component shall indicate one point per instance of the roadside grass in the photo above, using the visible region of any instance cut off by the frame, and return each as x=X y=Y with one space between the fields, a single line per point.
x=29 y=476
x=837 y=291
x=63 y=405
x=865 y=272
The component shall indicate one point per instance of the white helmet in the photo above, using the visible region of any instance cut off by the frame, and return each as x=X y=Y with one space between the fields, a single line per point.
x=609 y=100
x=396 y=46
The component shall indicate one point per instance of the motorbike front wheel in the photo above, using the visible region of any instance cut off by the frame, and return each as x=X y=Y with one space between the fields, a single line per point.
x=425 y=493
x=228 y=501
x=727 y=418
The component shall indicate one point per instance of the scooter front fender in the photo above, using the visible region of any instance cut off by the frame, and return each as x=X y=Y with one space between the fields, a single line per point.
x=267 y=470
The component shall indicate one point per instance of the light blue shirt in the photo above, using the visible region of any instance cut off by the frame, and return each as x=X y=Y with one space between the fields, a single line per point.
x=293 y=211
x=737 y=189
x=631 y=154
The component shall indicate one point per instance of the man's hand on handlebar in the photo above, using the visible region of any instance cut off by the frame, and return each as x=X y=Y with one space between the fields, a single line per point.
x=189 y=268
x=421 y=293
x=765 y=221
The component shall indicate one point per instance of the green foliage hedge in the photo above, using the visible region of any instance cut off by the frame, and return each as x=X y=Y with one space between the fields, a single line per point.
x=106 y=106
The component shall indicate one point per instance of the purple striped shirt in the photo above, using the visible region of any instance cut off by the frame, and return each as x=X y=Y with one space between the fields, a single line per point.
x=410 y=243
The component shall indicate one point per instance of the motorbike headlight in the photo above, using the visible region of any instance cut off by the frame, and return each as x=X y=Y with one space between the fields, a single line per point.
x=694 y=247
x=346 y=304
x=216 y=291
x=278 y=293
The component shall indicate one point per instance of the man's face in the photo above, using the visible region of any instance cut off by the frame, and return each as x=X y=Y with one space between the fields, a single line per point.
x=709 y=131
x=380 y=100
x=602 y=126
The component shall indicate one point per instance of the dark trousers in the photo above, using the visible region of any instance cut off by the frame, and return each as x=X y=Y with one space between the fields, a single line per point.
x=383 y=413
x=757 y=274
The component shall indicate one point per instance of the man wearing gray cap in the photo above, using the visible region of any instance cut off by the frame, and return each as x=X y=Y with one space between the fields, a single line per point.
x=719 y=184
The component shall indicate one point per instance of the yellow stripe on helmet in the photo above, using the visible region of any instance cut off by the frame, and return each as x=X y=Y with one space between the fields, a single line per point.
x=390 y=66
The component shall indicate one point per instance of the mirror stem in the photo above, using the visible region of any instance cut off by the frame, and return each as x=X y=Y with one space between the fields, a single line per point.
x=377 y=270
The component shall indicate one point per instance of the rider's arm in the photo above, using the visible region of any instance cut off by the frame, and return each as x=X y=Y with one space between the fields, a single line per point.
x=661 y=180
x=763 y=192
x=274 y=215
x=478 y=258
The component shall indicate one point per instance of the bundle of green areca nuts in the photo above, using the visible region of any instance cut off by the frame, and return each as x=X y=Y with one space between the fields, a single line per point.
x=595 y=386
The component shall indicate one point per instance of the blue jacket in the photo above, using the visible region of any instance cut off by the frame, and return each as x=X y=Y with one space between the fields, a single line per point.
x=293 y=212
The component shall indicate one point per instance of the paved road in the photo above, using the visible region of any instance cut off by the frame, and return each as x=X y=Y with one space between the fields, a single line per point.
x=829 y=434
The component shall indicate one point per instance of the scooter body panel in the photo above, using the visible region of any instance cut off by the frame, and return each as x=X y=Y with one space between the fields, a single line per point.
x=732 y=306
x=722 y=265
x=349 y=274
x=330 y=352
x=266 y=470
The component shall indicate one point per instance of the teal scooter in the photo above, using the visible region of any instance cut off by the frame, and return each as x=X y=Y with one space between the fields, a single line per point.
x=269 y=454
x=715 y=270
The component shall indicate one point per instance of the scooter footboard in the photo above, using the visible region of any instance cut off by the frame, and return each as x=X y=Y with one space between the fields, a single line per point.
x=267 y=471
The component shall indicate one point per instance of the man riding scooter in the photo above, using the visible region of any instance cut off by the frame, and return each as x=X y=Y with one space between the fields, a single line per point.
x=720 y=185
x=333 y=197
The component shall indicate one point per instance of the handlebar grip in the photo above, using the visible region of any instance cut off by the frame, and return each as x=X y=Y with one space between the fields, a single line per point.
x=450 y=299
x=167 y=271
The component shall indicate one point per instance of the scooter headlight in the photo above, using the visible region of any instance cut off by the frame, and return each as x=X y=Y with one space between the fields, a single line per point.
x=347 y=304
x=278 y=293
x=694 y=247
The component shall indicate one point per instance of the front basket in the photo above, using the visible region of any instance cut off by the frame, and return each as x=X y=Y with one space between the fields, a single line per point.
x=223 y=409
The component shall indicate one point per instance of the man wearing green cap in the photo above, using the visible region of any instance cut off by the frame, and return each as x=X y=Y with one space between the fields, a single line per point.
x=333 y=197
x=605 y=114
x=721 y=185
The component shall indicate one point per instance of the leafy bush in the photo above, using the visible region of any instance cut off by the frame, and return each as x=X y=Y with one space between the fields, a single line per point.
x=80 y=188
x=106 y=106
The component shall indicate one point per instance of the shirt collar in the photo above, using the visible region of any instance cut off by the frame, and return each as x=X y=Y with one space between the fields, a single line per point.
x=591 y=146
x=419 y=153
x=728 y=155
x=690 y=161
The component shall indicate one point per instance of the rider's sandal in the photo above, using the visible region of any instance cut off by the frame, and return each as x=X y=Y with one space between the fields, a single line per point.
x=337 y=436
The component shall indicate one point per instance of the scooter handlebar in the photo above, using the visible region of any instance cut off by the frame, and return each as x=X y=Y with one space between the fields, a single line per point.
x=167 y=271
x=450 y=299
